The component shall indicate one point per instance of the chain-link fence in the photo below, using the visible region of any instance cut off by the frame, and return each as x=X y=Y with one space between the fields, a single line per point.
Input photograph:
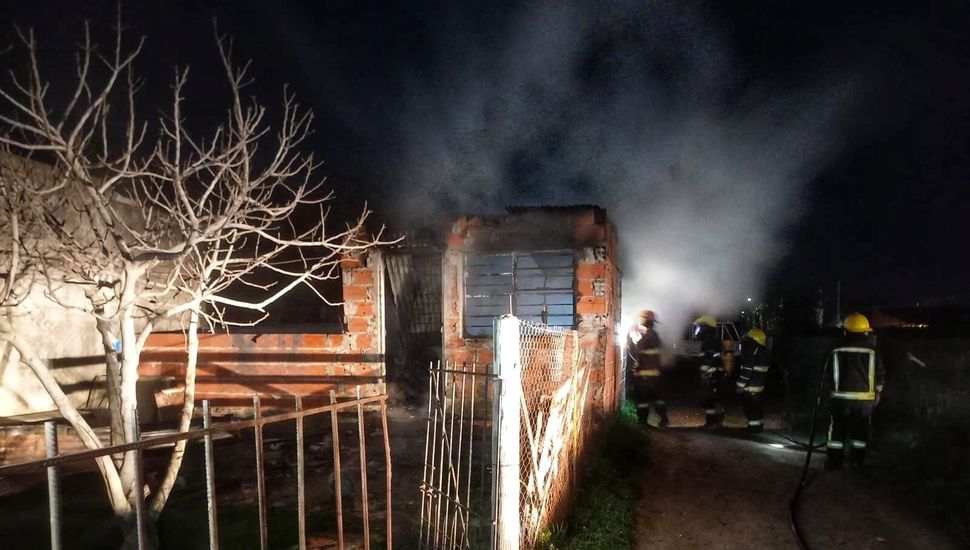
x=554 y=417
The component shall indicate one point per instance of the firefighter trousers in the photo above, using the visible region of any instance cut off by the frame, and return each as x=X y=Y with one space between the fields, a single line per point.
x=848 y=432
x=754 y=409
x=647 y=394
x=711 y=381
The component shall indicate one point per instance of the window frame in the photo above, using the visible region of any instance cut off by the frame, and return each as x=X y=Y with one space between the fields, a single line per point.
x=515 y=272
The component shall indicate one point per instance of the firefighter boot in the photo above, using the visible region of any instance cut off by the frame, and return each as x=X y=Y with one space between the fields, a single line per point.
x=662 y=412
x=714 y=417
x=658 y=415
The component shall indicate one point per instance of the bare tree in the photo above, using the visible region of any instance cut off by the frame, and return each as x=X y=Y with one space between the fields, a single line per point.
x=157 y=223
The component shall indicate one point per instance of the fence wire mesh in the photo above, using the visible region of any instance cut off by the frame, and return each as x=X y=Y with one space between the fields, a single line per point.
x=555 y=425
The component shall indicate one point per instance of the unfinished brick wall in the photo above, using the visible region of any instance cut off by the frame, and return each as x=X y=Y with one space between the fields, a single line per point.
x=584 y=230
x=279 y=366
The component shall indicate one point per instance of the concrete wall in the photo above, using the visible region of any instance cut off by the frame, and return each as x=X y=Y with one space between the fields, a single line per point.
x=68 y=340
x=584 y=230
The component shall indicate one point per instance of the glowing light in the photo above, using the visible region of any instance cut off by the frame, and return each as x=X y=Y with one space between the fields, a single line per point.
x=776 y=445
x=749 y=299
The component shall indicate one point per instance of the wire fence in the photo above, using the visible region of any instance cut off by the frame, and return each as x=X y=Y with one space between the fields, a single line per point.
x=504 y=442
x=555 y=425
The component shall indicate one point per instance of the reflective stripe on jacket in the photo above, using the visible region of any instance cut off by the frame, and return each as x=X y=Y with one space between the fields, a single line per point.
x=755 y=361
x=857 y=373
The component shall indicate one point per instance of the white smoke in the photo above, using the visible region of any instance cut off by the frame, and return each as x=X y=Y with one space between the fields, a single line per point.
x=640 y=109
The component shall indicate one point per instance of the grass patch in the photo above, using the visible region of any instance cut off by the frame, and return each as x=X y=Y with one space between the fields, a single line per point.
x=628 y=413
x=604 y=512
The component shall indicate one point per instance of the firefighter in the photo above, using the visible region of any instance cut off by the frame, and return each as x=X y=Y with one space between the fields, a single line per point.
x=755 y=360
x=857 y=378
x=643 y=349
x=711 y=370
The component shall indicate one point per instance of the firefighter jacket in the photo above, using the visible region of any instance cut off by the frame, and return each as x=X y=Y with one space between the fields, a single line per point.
x=755 y=361
x=711 y=347
x=643 y=345
x=857 y=372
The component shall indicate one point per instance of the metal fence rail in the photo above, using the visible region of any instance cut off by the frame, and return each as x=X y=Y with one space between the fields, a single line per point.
x=54 y=461
x=457 y=489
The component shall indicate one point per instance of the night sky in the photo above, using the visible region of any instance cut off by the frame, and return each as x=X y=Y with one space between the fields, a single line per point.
x=884 y=209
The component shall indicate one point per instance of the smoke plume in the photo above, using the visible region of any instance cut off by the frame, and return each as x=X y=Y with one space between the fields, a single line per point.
x=640 y=108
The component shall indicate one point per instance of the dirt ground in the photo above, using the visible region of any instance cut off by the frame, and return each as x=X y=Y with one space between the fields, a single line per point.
x=726 y=489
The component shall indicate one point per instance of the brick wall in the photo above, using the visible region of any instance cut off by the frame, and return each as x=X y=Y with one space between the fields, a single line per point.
x=279 y=366
x=584 y=230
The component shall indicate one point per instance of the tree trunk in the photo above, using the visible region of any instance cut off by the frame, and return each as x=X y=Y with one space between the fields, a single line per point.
x=113 y=382
x=185 y=419
x=129 y=401
x=112 y=482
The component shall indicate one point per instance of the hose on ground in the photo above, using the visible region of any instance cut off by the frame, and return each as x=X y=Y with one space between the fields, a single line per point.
x=805 y=480
x=799 y=445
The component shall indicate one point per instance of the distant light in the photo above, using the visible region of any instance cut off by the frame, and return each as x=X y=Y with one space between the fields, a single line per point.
x=749 y=299
x=776 y=445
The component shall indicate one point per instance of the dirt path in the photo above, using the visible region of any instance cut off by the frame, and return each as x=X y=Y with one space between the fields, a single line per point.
x=728 y=490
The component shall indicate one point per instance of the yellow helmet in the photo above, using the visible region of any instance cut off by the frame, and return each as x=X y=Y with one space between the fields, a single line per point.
x=856 y=322
x=706 y=320
x=757 y=335
x=647 y=315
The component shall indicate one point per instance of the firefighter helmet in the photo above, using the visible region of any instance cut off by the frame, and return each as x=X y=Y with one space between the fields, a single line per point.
x=708 y=320
x=647 y=315
x=757 y=335
x=856 y=322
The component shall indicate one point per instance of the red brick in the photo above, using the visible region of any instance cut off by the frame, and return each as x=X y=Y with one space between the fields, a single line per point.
x=314 y=340
x=590 y=271
x=585 y=287
x=584 y=218
x=589 y=234
x=356 y=293
x=363 y=277
x=363 y=341
x=461 y=356
x=350 y=263
x=454 y=341
x=335 y=340
x=455 y=241
x=591 y=305
x=357 y=325
x=361 y=308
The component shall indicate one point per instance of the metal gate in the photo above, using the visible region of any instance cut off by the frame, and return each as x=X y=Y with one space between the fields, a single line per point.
x=458 y=503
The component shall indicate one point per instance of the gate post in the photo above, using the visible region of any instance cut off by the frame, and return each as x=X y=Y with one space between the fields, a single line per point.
x=508 y=369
